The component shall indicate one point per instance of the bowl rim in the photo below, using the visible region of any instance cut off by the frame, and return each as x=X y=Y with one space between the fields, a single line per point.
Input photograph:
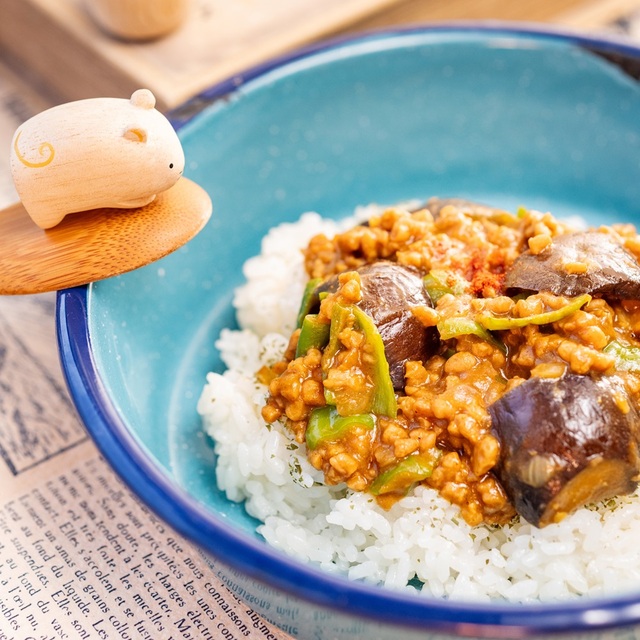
x=240 y=551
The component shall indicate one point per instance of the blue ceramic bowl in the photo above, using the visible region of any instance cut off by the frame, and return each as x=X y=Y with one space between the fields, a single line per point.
x=499 y=114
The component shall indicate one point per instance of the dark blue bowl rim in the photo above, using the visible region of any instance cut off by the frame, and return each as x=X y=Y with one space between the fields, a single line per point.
x=255 y=559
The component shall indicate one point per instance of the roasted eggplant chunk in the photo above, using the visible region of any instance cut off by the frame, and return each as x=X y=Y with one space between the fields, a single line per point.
x=389 y=292
x=565 y=442
x=576 y=263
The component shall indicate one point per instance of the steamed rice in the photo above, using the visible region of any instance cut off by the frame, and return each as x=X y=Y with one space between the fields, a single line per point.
x=422 y=538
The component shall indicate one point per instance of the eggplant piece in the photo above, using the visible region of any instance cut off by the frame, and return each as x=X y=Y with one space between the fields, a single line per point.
x=565 y=442
x=611 y=271
x=389 y=292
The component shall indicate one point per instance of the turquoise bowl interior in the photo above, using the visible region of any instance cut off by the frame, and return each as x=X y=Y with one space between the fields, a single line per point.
x=505 y=115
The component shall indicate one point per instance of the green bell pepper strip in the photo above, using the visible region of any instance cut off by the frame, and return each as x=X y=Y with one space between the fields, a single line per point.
x=407 y=472
x=327 y=425
x=455 y=327
x=313 y=335
x=436 y=284
x=500 y=324
x=309 y=300
x=340 y=316
x=383 y=400
x=627 y=357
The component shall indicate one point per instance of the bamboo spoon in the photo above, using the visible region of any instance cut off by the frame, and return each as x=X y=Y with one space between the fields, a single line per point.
x=101 y=193
x=96 y=244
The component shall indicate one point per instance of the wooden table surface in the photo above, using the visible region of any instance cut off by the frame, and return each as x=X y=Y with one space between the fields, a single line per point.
x=578 y=13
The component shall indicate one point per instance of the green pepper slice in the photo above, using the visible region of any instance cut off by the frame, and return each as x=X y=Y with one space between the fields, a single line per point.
x=438 y=283
x=383 y=399
x=627 y=357
x=313 y=334
x=327 y=425
x=340 y=316
x=454 y=327
x=309 y=300
x=410 y=470
x=500 y=324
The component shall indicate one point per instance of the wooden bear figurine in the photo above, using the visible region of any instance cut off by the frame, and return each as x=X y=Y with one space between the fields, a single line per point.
x=88 y=154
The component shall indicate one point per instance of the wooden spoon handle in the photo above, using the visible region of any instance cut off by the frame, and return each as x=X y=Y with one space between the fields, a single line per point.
x=97 y=244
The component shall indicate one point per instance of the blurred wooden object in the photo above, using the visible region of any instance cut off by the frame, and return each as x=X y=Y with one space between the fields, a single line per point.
x=68 y=53
x=138 y=19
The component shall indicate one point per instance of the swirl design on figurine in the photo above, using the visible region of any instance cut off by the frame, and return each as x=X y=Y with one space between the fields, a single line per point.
x=45 y=149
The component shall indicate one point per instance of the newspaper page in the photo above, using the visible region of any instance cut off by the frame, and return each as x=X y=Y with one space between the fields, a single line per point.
x=80 y=556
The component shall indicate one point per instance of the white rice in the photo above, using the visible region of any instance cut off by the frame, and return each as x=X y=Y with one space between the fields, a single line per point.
x=423 y=537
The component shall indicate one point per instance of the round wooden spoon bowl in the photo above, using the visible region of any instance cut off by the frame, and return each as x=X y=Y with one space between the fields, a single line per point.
x=97 y=244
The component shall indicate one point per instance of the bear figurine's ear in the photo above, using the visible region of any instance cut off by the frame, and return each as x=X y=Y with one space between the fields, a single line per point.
x=143 y=98
x=135 y=134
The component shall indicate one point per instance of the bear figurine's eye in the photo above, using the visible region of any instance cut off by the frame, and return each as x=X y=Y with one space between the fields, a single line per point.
x=171 y=165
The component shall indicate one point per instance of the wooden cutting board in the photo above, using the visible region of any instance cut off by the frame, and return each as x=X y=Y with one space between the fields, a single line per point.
x=58 y=41
x=60 y=49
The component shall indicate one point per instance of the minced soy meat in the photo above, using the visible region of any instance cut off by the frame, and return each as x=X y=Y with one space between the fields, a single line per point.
x=421 y=396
